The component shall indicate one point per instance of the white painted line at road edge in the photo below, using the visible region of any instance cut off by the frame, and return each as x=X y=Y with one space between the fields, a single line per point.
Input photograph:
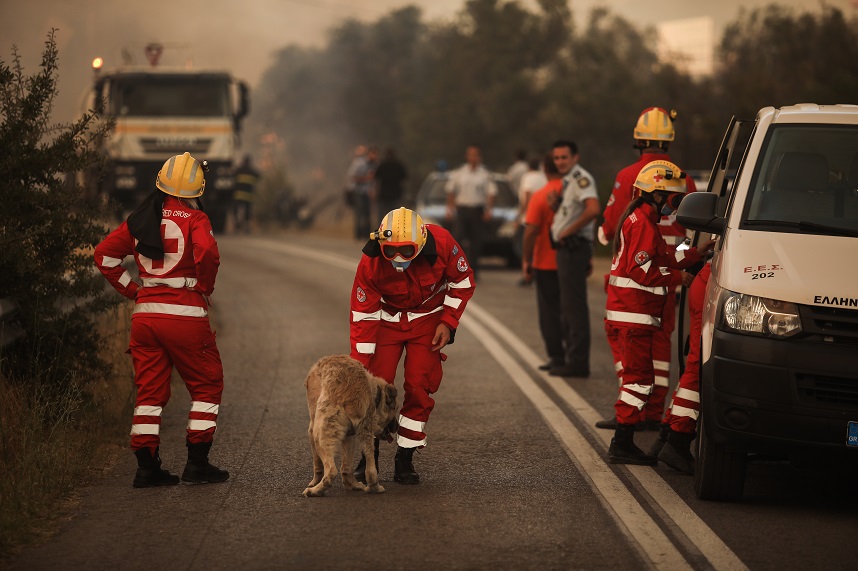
x=700 y=534
x=654 y=545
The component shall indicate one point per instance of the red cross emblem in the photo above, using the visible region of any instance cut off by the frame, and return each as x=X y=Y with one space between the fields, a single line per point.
x=658 y=178
x=171 y=246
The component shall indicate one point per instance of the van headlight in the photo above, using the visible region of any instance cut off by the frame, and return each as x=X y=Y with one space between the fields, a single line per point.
x=755 y=315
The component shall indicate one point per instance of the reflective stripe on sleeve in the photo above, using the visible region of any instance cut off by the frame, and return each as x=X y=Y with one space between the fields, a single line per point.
x=673 y=240
x=661 y=381
x=145 y=410
x=365 y=348
x=453 y=302
x=414 y=425
x=171 y=309
x=109 y=262
x=145 y=429
x=207 y=407
x=618 y=366
x=660 y=365
x=390 y=317
x=465 y=283
x=632 y=284
x=645 y=267
x=680 y=255
x=627 y=317
x=360 y=316
x=125 y=279
x=688 y=395
x=408 y=443
x=640 y=389
x=195 y=424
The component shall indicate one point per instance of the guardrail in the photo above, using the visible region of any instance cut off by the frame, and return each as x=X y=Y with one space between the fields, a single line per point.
x=9 y=331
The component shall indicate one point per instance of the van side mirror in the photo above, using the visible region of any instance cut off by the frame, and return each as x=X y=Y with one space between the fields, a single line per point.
x=698 y=211
x=243 y=100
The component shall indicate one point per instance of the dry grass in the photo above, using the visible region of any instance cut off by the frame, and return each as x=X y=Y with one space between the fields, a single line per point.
x=52 y=442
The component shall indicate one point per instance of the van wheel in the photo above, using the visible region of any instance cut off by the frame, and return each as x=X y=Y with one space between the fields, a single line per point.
x=719 y=474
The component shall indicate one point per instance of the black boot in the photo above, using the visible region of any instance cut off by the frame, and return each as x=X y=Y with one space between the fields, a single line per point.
x=404 y=468
x=198 y=470
x=659 y=442
x=623 y=449
x=149 y=472
x=608 y=423
x=360 y=469
x=677 y=452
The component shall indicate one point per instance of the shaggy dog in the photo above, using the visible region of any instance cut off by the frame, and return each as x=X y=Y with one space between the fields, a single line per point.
x=346 y=403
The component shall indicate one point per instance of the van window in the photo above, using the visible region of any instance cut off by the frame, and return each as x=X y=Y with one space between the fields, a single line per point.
x=808 y=176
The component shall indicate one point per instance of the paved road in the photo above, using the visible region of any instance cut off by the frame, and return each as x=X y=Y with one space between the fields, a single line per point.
x=512 y=478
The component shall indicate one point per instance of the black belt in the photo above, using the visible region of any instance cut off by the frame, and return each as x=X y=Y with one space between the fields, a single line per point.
x=574 y=242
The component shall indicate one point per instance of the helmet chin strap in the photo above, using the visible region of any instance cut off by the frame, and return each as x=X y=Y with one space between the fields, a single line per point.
x=400 y=266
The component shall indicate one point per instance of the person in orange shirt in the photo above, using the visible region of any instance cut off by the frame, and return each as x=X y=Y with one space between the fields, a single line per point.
x=539 y=263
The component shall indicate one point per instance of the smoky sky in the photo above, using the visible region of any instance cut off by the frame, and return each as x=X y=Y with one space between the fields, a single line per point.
x=241 y=36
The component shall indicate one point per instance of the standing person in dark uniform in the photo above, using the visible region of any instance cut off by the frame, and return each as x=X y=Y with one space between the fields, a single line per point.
x=246 y=178
x=172 y=242
x=410 y=289
x=389 y=178
x=471 y=195
x=573 y=231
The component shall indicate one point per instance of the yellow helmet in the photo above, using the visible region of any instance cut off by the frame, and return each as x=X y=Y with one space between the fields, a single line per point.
x=401 y=235
x=655 y=126
x=663 y=176
x=182 y=176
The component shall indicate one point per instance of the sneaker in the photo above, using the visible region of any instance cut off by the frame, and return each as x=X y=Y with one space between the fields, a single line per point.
x=567 y=371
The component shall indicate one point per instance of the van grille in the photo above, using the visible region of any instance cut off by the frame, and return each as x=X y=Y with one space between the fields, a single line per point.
x=837 y=322
x=820 y=389
x=175 y=145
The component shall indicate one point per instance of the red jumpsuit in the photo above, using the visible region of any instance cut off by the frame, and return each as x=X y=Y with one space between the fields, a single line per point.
x=622 y=194
x=685 y=406
x=644 y=275
x=394 y=311
x=170 y=325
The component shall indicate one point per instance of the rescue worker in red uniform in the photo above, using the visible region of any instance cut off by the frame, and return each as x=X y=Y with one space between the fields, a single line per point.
x=653 y=134
x=410 y=290
x=172 y=242
x=645 y=272
x=680 y=420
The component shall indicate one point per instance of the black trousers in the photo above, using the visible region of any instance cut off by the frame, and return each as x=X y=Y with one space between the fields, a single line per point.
x=573 y=263
x=548 y=308
x=469 y=232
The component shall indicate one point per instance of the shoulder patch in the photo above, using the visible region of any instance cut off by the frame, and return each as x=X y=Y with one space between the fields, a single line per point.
x=641 y=258
x=455 y=250
x=360 y=294
x=461 y=264
x=617 y=184
x=633 y=217
x=583 y=182
x=611 y=199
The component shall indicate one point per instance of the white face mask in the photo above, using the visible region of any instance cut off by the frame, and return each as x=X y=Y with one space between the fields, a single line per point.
x=400 y=266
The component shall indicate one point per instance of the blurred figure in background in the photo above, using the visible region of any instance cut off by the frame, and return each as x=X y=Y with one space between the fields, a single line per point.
x=539 y=264
x=390 y=177
x=530 y=182
x=246 y=178
x=360 y=180
x=517 y=169
x=470 y=198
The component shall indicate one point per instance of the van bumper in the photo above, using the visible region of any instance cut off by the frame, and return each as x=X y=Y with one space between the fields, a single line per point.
x=779 y=396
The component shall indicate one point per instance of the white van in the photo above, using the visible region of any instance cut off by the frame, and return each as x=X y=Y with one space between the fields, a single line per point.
x=779 y=371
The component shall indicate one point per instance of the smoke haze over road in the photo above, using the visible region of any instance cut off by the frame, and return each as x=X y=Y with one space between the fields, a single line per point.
x=242 y=36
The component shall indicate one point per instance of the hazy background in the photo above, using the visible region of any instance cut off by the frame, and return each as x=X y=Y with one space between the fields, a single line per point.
x=242 y=36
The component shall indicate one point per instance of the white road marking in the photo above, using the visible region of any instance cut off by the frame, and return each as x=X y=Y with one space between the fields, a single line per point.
x=700 y=534
x=653 y=543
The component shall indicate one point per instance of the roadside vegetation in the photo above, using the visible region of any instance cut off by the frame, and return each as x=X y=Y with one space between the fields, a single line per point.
x=63 y=400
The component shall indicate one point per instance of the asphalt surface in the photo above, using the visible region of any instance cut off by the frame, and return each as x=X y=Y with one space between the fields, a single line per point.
x=497 y=489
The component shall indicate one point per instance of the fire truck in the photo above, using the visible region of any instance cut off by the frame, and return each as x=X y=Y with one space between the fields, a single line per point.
x=158 y=112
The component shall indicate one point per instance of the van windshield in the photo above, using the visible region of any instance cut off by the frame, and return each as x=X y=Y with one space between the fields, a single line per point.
x=807 y=181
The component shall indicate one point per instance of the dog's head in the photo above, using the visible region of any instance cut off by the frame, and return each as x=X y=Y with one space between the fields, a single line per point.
x=384 y=424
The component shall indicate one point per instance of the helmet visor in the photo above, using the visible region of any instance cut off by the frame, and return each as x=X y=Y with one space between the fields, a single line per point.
x=407 y=251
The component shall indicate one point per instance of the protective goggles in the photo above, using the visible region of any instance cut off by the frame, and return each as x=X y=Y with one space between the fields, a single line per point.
x=673 y=199
x=407 y=250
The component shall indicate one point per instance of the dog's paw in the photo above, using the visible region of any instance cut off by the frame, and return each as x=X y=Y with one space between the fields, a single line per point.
x=376 y=489
x=311 y=493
